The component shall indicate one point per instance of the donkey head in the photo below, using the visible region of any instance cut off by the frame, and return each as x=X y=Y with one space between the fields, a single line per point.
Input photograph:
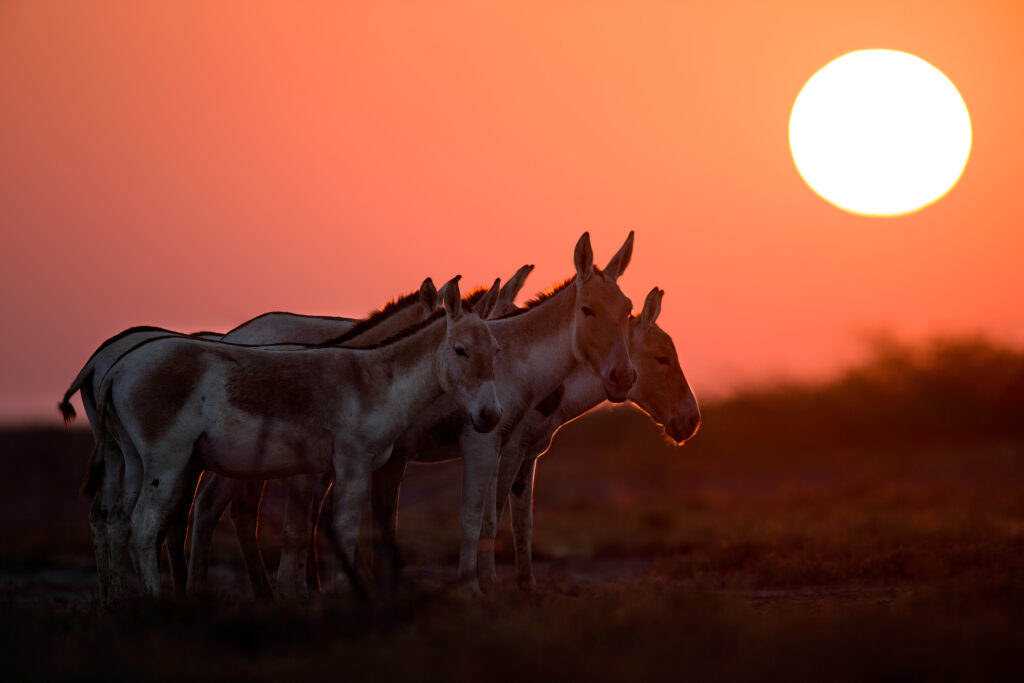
x=600 y=329
x=661 y=388
x=465 y=359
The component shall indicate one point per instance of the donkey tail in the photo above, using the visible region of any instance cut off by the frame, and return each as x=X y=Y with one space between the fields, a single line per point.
x=67 y=411
x=94 y=475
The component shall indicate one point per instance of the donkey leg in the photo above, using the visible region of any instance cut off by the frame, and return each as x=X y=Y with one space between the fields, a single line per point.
x=98 y=519
x=496 y=497
x=160 y=495
x=479 y=473
x=212 y=498
x=385 y=488
x=245 y=516
x=301 y=511
x=521 y=504
x=486 y=570
x=125 y=494
x=99 y=516
x=174 y=540
x=351 y=482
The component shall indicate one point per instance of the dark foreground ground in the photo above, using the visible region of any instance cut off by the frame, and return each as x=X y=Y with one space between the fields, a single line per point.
x=871 y=528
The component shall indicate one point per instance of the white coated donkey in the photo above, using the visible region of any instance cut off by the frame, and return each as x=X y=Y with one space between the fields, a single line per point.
x=297 y=567
x=183 y=405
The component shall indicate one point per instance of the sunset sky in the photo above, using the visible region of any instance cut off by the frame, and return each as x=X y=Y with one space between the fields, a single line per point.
x=194 y=164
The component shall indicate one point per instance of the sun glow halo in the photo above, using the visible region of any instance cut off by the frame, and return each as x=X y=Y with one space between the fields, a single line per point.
x=880 y=133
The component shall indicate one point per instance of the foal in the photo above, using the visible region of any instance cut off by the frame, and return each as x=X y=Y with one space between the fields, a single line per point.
x=184 y=405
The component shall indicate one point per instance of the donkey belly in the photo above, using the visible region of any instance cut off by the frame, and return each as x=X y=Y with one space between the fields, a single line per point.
x=261 y=449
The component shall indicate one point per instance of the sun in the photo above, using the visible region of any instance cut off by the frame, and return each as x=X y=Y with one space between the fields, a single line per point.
x=880 y=133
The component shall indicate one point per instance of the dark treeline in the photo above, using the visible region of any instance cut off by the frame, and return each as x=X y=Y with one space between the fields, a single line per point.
x=960 y=389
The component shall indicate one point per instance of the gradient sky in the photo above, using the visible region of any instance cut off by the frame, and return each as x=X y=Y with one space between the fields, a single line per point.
x=194 y=164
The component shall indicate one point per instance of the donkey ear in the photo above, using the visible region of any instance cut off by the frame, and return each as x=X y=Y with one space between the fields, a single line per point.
x=486 y=304
x=652 y=307
x=441 y=293
x=510 y=290
x=584 y=257
x=428 y=295
x=618 y=264
x=452 y=298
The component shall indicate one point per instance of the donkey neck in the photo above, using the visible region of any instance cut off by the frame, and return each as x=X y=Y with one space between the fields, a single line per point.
x=583 y=391
x=539 y=342
x=402 y=377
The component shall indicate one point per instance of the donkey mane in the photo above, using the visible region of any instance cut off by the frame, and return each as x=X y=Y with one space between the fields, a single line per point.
x=468 y=300
x=542 y=297
x=375 y=317
x=393 y=306
x=407 y=332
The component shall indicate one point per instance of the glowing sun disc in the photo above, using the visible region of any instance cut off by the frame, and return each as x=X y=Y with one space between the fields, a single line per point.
x=880 y=133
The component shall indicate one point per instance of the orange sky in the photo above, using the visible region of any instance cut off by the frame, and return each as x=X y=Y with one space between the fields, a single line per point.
x=194 y=164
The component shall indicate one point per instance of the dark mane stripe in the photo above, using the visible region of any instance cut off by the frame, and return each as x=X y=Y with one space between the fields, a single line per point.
x=376 y=317
x=473 y=296
x=542 y=297
x=407 y=332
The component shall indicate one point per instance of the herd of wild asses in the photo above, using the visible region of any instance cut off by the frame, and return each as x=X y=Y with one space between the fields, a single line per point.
x=340 y=406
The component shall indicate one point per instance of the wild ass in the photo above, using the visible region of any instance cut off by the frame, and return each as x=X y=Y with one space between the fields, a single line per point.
x=661 y=391
x=583 y=321
x=183 y=405
x=297 y=567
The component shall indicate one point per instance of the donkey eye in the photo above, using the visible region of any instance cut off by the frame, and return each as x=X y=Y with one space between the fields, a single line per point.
x=663 y=360
x=587 y=311
x=459 y=351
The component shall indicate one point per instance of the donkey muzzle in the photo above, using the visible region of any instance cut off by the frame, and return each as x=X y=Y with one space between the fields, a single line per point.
x=486 y=418
x=486 y=412
x=618 y=381
x=683 y=427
